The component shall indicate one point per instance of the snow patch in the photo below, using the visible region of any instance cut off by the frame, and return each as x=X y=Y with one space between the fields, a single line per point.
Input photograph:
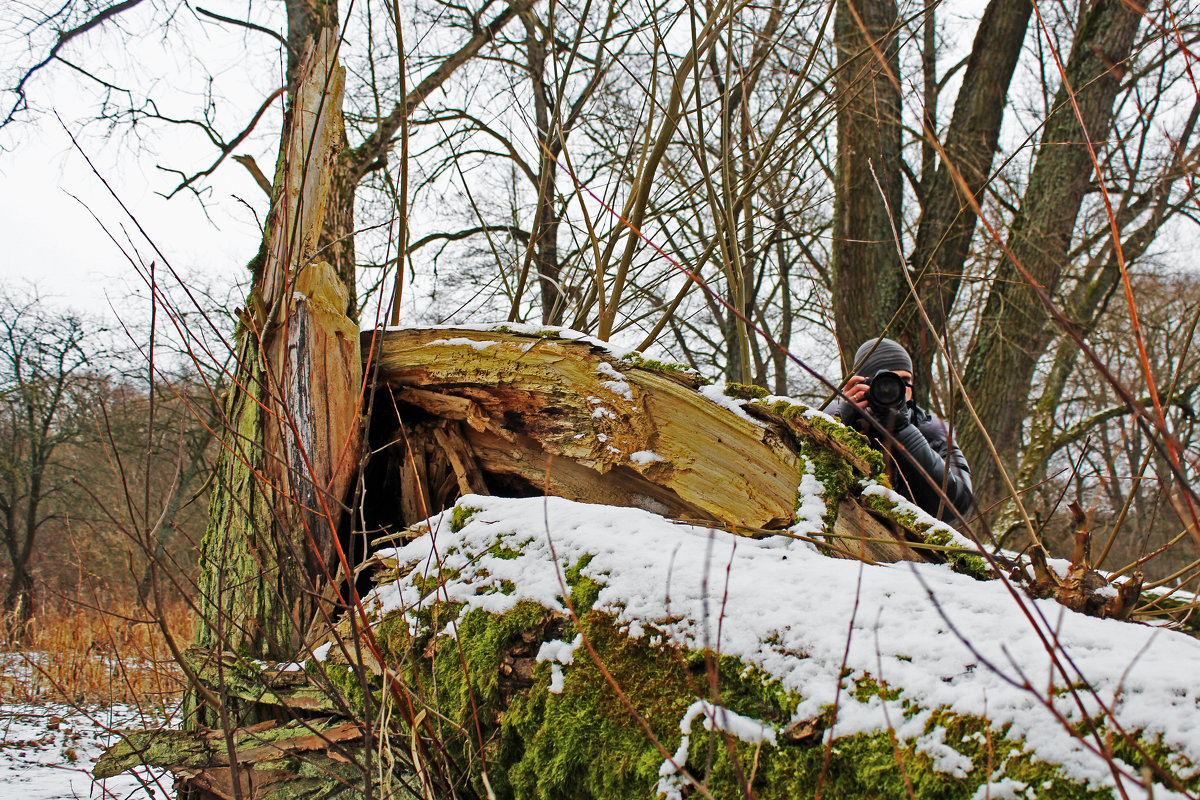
x=619 y=388
x=1007 y=789
x=558 y=653
x=47 y=753
x=810 y=502
x=644 y=457
x=528 y=329
x=944 y=757
x=716 y=393
x=716 y=717
x=605 y=368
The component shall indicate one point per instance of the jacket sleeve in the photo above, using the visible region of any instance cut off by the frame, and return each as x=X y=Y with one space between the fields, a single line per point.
x=848 y=413
x=922 y=468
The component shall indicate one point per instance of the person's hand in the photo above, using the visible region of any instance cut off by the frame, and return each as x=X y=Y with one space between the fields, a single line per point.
x=896 y=419
x=856 y=391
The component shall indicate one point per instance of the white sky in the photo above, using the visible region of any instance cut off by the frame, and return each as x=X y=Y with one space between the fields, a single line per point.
x=53 y=241
x=51 y=238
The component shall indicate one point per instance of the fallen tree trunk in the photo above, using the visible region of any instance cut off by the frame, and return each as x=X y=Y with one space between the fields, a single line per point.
x=499 y=412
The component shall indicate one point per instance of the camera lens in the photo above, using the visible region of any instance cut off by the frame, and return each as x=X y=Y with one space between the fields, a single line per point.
x=887 y=390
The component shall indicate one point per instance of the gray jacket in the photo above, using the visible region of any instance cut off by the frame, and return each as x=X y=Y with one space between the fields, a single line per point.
x=925 y=462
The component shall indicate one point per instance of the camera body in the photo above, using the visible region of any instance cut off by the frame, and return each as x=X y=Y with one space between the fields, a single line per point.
x=887 y=398
x=887 y=392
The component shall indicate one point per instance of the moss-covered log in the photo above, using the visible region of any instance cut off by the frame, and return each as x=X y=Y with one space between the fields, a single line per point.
x=317 y=758
x=619 y=683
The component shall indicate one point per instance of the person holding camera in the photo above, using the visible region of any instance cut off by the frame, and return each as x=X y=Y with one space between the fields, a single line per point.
x=928 y=467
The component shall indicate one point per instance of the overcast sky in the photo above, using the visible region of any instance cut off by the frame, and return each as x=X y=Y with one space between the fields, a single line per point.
x=51 y=238
x=48 y=194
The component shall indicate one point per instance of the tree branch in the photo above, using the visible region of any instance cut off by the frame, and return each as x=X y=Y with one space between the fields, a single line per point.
x=228 y=148
x=63 y=37
x=244 y=24
x=377 y=144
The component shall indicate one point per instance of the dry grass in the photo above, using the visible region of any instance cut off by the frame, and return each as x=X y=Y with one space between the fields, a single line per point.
x=80 y=654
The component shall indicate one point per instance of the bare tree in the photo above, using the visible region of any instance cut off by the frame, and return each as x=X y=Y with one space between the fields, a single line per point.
x=44 y=372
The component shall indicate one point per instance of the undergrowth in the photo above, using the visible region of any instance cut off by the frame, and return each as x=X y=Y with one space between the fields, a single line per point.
x=77 y=653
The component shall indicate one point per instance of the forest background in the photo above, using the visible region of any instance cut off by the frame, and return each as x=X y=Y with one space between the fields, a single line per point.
x=638 y=172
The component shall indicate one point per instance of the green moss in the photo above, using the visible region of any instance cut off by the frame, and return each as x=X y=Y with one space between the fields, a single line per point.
x=428 y=583
x=966 y=563
x=584 y=590
x=637 y=361
x=745 y=690
x=743 y=391
x=849 y=438
x=505 y=552
x=874 y=765
x=866 y=687
x=254 y=267
x=460 y=516
x=1180 y=608
x=1150 y=752
x=350 y=685
x=836 y=475
x=585 y=741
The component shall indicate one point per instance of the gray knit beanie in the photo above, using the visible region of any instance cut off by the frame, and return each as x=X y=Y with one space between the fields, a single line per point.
x=887 y=355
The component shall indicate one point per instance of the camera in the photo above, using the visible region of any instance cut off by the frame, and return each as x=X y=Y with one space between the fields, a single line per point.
x=887 y=391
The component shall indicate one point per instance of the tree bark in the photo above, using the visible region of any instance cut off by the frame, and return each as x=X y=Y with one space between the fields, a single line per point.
x=948 y=222
x=1013 y=330
x=543 y=239
x=868 y=284
x=291 y=444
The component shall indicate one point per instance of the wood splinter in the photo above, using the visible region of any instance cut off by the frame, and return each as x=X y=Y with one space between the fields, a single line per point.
x=1083 y=589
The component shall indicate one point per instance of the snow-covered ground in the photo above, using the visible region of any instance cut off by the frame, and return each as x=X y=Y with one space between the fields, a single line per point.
x=47 y=753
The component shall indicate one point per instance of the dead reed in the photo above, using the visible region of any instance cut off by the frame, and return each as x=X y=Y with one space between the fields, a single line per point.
x=89 y=654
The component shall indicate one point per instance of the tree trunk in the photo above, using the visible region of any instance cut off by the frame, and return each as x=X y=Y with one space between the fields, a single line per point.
x=291 y=443
x=868 y=284
x=947 y=220
x=1013 y=331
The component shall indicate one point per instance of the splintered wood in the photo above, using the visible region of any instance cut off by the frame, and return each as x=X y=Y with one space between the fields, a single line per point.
x=513 y=414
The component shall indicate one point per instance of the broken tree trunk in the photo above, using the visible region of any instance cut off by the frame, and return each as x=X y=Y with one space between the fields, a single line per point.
x=291 y=442
x=496 y=412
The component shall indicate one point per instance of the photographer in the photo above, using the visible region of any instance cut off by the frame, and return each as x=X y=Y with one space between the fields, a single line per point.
x=926 y=464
